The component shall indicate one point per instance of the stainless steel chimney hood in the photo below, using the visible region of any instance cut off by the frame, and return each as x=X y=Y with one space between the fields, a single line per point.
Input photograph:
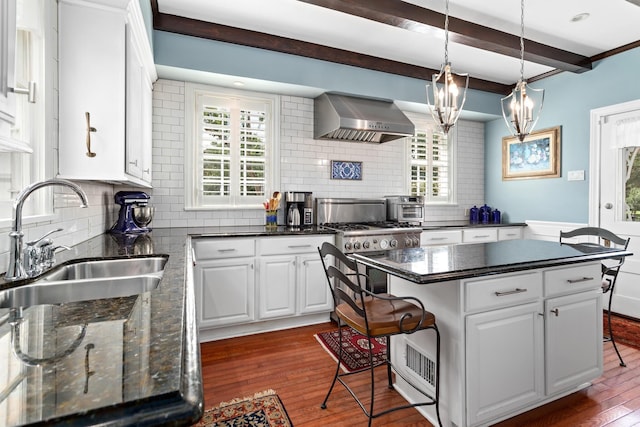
x=349 y=118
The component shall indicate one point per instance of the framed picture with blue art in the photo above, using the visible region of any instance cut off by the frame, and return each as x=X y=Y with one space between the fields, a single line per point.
x=538 y=156
x=346 y=170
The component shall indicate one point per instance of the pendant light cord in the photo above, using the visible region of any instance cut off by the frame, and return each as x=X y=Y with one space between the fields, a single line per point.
x=446 y=32
x=521 y=39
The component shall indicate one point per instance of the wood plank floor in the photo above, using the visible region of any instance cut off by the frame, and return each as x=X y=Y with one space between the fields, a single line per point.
x=292 y=363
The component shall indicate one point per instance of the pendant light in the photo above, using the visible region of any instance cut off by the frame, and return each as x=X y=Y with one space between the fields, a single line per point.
x=447 y=99
x=521 y=109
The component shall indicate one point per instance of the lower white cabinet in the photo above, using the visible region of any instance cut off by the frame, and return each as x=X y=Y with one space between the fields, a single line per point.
x=573 y=334
x=225 y=291
x=510 y=342
x=249 y=285
x=505 y=366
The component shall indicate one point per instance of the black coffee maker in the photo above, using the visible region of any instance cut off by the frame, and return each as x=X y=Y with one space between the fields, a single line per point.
x=135 y=214
x=298 y=208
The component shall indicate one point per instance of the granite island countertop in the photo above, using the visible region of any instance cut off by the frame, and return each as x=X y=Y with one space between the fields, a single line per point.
x=452 y=262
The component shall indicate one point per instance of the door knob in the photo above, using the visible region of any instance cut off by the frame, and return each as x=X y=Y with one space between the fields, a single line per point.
x=608 y=205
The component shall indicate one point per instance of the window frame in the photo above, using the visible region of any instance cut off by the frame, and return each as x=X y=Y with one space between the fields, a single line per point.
x=194 y=199
x=424 y=122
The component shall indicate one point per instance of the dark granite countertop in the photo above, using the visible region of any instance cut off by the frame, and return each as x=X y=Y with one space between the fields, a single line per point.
x=119 y=361
x=452 y=262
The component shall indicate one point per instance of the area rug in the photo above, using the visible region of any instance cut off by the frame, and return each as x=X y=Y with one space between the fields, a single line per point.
x=625 y=330
x=264 y=409
x=355 y=348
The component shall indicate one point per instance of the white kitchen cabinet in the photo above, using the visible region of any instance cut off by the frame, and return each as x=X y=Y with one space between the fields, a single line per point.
x=479 y=235
x=292 y=279
x=277 y=286
x=224 y=276
x=246 y=285
x=513 y=341
x=510 y=233
x=504 y=361
x=7 y=65
x=106 y=72
x=440 y=237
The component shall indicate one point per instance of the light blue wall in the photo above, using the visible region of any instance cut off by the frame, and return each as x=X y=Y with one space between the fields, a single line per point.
x=569 y=98
x=194 y=53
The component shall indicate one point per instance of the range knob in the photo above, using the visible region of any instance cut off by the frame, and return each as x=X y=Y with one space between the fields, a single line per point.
x=393 y=243
x=408 y=242
x=416 y=242
x=366 y=244
x=356 y=245
x=348 y=246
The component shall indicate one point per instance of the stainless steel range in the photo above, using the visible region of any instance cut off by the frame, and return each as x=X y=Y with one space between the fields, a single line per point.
x=362 y=225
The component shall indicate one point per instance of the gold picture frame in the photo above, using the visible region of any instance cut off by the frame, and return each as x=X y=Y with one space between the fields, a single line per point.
x=538 y=156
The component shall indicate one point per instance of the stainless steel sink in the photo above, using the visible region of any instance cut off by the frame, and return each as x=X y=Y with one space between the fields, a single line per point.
x=88 y=280
x=107 y=268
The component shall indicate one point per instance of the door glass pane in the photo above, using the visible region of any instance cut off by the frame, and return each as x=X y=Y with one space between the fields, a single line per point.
x=632 y=183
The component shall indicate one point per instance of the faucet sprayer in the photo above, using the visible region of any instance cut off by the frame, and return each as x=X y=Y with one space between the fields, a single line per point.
x=16 y=270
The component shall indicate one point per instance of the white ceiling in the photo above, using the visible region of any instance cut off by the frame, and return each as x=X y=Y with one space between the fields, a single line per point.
x=611 y=24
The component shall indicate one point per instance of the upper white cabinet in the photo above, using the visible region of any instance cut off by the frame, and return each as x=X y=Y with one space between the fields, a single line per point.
x=106 y=76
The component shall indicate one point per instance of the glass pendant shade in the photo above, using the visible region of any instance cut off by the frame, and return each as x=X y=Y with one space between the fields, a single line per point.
x=447 y=98
x=521 y=109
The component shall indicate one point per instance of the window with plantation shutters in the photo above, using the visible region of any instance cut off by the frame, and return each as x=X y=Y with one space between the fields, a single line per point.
x=233 y=148
x=430 y=165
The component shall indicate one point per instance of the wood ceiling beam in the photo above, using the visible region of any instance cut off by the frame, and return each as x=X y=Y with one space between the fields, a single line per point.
x=227 y=34
x=415 y=18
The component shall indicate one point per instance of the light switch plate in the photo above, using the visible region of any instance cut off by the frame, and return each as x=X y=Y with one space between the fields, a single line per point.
x=575 y=175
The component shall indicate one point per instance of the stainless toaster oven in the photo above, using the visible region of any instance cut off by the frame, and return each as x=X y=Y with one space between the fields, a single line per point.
x=405 y=208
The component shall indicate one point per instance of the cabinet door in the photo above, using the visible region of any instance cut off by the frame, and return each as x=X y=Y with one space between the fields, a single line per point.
x=7 y=66
x=573 y=331
x=133 y=108
x=315 y=295
x=504 y=361
x=92 y=80
x=277 y=286
x=224 y=291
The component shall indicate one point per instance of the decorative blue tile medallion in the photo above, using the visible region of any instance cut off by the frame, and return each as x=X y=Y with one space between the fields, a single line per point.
x=346 y=170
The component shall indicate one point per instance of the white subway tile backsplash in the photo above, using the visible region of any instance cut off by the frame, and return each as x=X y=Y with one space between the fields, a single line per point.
x=304 y=163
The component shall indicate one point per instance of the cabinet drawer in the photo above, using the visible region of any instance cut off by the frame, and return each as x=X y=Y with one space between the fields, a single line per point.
x=446 y=237
x=291 y=245
x=572 y=279
x=503 y=291
x=212 y=248
x=509 y=233
x=479 y=235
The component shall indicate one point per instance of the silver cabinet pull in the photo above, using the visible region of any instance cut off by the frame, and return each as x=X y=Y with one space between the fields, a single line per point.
x=555 y=311
x=193 y=256
x=298 y=246
x=583 y=279
x=437 y=238
x=515 y=291
x=227 y=250
x=483 y=236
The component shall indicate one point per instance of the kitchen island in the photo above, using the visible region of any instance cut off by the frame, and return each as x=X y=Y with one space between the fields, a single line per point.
x=520 y=320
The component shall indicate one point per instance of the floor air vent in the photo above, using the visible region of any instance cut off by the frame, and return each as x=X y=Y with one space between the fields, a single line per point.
x=421 y=365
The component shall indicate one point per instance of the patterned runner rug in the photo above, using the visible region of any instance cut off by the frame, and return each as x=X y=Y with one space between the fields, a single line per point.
x=264 y=409
x=355 y=351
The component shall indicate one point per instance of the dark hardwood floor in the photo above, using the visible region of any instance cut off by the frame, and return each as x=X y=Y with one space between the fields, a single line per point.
x=292 y=363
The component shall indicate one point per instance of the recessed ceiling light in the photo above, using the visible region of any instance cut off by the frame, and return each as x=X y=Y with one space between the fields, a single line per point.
x=580 y=17
x=238 y=83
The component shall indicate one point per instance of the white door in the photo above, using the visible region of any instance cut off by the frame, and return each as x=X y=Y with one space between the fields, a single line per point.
x=616 y=203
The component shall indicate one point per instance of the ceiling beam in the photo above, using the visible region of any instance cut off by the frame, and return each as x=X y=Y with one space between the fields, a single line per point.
x=227 y=34
x=415 y=18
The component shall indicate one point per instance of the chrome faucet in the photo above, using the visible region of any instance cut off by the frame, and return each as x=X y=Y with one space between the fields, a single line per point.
x=16 y=270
